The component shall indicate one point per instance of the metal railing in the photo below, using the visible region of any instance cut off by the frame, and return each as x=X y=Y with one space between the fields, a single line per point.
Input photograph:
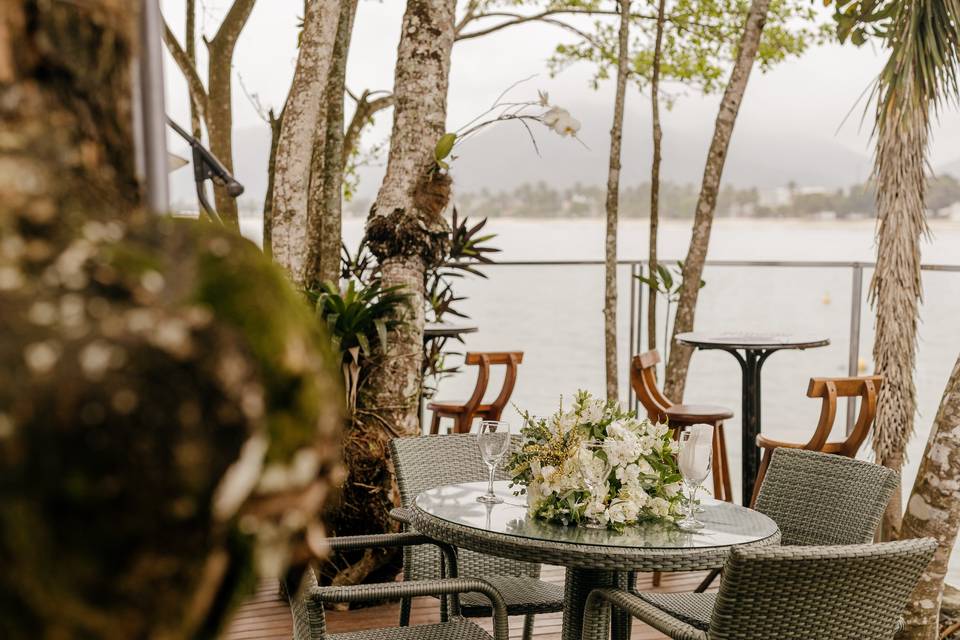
x=637 y=296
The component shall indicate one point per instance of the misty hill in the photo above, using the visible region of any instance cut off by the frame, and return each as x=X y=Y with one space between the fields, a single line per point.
x=503 y=158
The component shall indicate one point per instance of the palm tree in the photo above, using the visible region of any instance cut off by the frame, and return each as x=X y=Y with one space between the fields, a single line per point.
x=923 y=37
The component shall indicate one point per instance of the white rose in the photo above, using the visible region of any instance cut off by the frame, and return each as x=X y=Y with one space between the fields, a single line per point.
x=659 y=507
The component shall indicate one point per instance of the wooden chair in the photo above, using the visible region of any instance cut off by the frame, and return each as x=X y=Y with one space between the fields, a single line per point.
x=464 y=413
x=865 y=388
x=680 y=416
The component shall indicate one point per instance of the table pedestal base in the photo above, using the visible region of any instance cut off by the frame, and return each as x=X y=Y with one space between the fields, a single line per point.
x=579 y=583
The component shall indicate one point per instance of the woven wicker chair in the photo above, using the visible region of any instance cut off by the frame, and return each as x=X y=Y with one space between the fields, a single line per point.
x=793 y=593
x=426 y=462
x=815 y=499
x=307 y=602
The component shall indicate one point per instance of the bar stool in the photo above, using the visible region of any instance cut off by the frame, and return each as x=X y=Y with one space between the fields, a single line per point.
x=829 y=389
x=464 y=413
x=678 y=416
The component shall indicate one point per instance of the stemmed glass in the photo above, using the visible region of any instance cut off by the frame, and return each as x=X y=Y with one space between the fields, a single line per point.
x=494 y=442
x=694 y=462
x=595 y=470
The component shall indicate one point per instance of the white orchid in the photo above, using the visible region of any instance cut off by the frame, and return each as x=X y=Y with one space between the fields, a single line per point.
x=561 y=121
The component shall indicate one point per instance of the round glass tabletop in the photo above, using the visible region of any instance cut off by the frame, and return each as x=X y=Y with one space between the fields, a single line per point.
x=726 y=524
x=749 y=340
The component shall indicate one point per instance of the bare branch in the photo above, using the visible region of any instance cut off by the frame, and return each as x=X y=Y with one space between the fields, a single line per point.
x=232 y=25
x=543 y=16
x=198 y=94
x=365 y=110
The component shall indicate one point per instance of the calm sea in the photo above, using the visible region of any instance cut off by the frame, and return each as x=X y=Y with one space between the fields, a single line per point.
x=554 y=315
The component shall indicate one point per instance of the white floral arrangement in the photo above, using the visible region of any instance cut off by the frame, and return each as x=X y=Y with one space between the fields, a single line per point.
x=639 y=479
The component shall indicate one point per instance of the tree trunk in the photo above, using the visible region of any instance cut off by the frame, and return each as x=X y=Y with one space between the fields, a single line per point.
x=655 y=175
x=275 y=123
x=679 y=360
x=302 y=130
x=934 y=511
x=190 y=45
x=324 y=207
x=613 y=205
x=220 y=100
x=895 y=290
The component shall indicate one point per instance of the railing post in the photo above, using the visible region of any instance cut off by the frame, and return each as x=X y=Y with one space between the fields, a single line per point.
x=853 y=362
x=633 y=332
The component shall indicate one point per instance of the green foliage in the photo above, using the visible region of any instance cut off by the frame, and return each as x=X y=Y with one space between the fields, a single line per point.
x=700 y=40
x=667 y=281
x=358 y=316
x=443 y=149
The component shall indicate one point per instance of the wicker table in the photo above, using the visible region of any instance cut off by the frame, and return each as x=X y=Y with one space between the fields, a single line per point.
x=593 y=558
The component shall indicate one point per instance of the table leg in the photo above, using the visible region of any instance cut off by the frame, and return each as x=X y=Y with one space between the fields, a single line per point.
x=751 y=362
x=579 y=583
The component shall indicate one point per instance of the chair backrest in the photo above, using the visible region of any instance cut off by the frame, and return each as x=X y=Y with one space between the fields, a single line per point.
x=309 y=622
x=822 y=499
x=425 y=462
x=829 y=390
x=827 y=593
x=643 y=379
x=483 y=360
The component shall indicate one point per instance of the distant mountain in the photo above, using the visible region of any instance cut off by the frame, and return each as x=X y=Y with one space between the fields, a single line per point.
x=502 y=158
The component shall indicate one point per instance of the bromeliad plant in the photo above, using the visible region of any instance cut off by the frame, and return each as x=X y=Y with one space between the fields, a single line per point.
x=552 y=466
x=356 y=319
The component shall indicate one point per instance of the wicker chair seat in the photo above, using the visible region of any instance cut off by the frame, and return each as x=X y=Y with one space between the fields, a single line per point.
x=522 y=595
x=694 y=609
x=455 y=629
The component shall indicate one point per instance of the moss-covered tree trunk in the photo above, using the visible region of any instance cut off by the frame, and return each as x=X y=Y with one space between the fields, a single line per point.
x=165 y=436
x=934 y=511
x=302 y=130
x=407 y=232
x=679 y=361
x=613 y=206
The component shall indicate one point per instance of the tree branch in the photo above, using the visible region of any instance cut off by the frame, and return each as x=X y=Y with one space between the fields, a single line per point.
x=198 y=94
x=519 y=18
x=232 y=24
x=365 y=110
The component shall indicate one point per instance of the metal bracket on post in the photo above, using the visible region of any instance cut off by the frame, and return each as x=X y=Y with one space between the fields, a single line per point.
x=853 y=362
x=150 y=109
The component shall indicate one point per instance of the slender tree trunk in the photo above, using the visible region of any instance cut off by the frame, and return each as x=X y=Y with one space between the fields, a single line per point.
x=679 y=360
x=324 y=207
x=934 y=511
x=613 y=205
x=275 y=123
x=190 y=45
x=303 y=129
x=895 y=290
x=655 y=175
x=220 y=100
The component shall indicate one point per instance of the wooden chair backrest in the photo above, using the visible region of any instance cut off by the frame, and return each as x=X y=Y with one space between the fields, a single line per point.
x=484 y=360
x=866 y=388
x=643 y=379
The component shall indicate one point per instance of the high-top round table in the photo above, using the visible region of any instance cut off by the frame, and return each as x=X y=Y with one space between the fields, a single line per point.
x=593 y=557
x=756 y=348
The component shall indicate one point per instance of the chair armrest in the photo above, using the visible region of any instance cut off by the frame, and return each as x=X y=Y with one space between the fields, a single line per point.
x=446 y=586
x=389 y=540
x=600 y=600
x=402 y=515
x=765 y=442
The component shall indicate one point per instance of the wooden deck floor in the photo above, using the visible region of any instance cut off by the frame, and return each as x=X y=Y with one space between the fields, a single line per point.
x=267 y=617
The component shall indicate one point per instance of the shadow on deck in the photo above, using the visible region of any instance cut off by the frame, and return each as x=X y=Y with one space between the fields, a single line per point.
x=267 y=617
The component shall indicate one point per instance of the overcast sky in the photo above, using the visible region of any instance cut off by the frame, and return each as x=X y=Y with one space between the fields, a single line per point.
x=808 y=97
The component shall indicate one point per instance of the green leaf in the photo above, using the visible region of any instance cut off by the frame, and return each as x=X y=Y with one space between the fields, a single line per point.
x=443 y=148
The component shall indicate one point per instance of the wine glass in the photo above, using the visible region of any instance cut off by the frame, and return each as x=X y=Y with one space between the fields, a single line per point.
x=595 y=471
x=694 y=463
x=494 y=441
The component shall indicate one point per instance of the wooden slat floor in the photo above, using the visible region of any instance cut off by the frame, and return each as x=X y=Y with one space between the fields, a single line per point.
x=266 y=615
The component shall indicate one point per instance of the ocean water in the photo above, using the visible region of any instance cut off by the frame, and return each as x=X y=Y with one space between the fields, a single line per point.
x=554 y=315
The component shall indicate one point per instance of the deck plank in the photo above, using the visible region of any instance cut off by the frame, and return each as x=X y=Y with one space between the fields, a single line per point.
x=266 y=615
